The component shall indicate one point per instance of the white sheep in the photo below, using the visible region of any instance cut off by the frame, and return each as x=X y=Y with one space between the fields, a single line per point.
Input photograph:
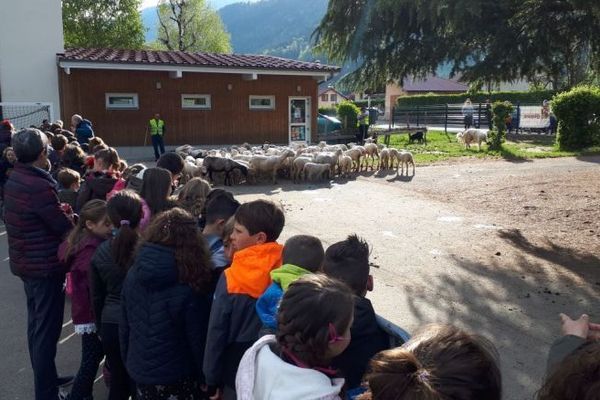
x=371 y=151
x=298 y=167
x=472 y=135
x=384 y=159
x=314 y=171
x=355 y=153
x=345 y=163
x=329 y=158
x=405 y=157
x=269 y=165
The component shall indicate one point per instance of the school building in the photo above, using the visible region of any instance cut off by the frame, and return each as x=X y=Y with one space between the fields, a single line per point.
x=203 y=98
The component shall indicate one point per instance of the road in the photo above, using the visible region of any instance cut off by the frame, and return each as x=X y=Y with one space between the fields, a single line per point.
x=438 y=257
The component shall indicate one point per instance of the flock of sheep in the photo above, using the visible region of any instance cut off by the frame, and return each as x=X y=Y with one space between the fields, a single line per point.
x=299 y=163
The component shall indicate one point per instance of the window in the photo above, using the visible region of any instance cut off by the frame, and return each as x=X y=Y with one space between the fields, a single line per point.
x=324 y=97
x=122 y=101
x=262 y=102
x=333 y=98
x=195 y=101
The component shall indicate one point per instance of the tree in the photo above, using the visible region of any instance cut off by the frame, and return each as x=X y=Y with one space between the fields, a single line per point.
x=191 y=25
x=102 y=23
x=485 y=41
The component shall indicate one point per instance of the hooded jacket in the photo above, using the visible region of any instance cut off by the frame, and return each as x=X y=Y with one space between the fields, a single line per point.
x=84 y=131
x=268 y=303
x=163 y=321
x=234 y=324
x=367 y=340
x=97 y=185
x=79 y=261
x=264 y=375
x=35 y=223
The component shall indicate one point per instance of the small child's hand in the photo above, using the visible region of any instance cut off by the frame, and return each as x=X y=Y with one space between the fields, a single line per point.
x=579 y=327
x=594 y=332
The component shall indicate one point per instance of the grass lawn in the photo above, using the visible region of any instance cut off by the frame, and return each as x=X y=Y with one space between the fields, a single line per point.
x=440 y=147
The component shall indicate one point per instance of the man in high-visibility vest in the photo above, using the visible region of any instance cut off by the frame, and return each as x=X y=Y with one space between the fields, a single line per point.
x=363 y=125
x=156 y=126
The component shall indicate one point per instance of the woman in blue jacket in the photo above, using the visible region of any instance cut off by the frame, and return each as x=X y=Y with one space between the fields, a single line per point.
x=165 y=309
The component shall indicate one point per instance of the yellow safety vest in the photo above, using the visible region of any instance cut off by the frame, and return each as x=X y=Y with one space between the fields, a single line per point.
x=156 y=127
x=365 y=121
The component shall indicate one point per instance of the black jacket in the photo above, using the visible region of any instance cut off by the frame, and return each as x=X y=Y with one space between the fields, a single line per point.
x=96 y=186
x=367 y=340
x=163 y=322
x=35 y=223
x=561 y=349
x=107 y=282
x=234 y=327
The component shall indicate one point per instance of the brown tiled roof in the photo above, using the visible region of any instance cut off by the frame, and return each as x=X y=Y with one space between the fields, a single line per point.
x=186 y=59
x=433 y=84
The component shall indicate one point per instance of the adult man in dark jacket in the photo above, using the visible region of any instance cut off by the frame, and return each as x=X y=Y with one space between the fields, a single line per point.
x=36 y=224
x=82 y=128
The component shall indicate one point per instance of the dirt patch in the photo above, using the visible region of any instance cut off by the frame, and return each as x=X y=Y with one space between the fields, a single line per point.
x=551 y=205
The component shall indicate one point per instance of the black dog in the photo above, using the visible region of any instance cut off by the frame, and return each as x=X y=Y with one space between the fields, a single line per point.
x=419 y=136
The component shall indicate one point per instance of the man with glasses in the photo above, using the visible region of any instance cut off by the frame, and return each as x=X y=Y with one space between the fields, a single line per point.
x=36 y=225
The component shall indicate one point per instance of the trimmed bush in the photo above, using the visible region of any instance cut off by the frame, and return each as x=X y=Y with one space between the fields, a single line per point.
x=331 y=111
x=348 y=113
x=374 y=103
x=501 y=110
x=578 y=114
x=533 y=97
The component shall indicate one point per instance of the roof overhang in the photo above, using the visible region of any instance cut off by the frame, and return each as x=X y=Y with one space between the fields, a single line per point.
x=177 y=71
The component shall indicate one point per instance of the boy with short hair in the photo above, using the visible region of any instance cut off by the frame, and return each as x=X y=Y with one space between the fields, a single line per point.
x=70 y=182
x=302 y=254
x=234 y=325
x=348 y=261
x=219 y=208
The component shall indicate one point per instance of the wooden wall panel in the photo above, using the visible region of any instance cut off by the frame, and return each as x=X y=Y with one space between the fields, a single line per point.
x=228 y=122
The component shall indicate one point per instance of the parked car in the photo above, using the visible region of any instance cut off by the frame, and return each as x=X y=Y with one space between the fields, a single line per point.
x=327 y=124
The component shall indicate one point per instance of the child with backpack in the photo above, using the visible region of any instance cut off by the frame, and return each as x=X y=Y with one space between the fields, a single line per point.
x=302 y=254
x=348 y=261
x=164 y=304
x=234 y=325
x=314 y=322
x=93 y=227
x=440 y=362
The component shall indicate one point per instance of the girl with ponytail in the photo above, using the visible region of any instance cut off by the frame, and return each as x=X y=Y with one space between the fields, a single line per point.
x=441 y=362
x=108 y=271
x=93 y=227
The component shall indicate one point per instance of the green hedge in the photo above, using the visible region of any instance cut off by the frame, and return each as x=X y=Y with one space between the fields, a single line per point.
x=348 y=112
x=535 y=97
x=501 y=110
x=578 y=114
x=331 y=111
x=374 y=103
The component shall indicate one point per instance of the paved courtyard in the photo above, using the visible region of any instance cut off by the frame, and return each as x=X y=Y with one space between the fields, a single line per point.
x=496 y=247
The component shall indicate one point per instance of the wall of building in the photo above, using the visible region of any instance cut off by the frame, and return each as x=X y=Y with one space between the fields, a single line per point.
x=328 y=103
x=229 y=121
x=392 y=92
x=30 y=36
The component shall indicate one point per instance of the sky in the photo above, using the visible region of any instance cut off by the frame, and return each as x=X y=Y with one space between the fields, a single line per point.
x=149 y=3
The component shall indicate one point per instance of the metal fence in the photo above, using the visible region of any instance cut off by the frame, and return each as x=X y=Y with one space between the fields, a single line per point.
x=450 y=116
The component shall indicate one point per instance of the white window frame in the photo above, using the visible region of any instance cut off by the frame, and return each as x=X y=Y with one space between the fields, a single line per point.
x=134 y=106
x=207 y=106
x=256 y=97
x=333 y=97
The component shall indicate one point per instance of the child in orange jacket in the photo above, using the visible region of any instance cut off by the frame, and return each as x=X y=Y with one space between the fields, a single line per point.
x=234 y=325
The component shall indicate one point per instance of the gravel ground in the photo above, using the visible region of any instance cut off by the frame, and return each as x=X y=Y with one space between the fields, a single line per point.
x=493 y=246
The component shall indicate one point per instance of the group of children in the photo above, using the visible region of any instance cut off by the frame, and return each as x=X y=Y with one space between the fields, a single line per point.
x=189 y=295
